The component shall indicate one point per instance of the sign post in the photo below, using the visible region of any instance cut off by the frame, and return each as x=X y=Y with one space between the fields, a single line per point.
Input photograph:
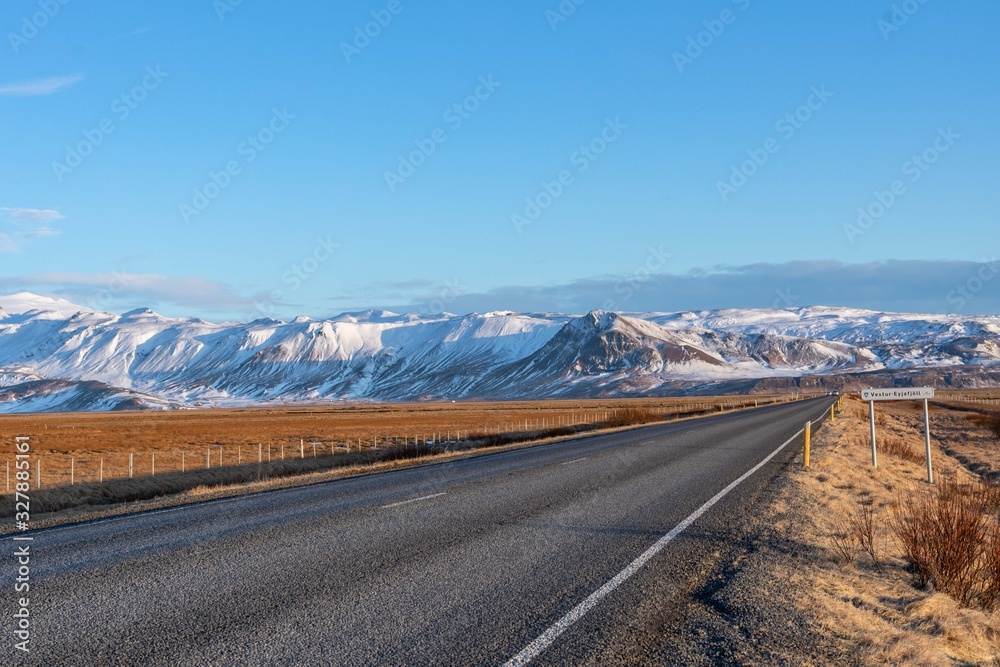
x=871 y=419
x=916 y=394
x=927 y=438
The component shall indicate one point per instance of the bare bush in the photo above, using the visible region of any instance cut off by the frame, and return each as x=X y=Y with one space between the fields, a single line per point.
x=949 y=538
x=843 y=543
x=991 y=589
x=991 y=495
x=864 y=530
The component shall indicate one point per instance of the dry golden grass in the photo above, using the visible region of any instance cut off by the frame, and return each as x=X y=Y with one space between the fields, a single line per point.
x=185 y=439
x=220 y=448
x=848 y=516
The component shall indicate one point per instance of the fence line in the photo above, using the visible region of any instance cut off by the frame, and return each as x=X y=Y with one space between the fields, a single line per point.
x=92 y=468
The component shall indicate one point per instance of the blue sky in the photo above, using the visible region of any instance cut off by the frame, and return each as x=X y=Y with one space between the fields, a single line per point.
x=231 y=159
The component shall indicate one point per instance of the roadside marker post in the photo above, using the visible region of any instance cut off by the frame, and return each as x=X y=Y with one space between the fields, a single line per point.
x=808 y=443
x=917 y=394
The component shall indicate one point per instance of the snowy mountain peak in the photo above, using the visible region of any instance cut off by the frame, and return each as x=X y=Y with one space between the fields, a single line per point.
x=139 y=313
x=377 y=355
x=27 y=302
x=375 y=316
x=599 y=319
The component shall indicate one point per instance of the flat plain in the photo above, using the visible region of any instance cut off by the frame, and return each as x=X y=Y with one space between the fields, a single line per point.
x=84 y=447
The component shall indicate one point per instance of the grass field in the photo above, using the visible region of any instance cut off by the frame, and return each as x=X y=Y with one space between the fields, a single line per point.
x=91 y=447
x=983 y=397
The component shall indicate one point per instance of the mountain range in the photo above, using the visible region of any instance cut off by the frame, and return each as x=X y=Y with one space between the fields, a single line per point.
x=57 y=356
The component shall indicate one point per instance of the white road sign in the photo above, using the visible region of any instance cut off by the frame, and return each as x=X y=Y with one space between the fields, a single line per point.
x=913 y=394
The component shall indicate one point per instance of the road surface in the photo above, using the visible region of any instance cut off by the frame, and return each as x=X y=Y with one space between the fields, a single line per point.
x=522 y=557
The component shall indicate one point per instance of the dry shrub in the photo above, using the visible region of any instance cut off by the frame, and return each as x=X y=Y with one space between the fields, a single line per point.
x=864 y=530
x=898 y=448
x=843 y=543
x=630 y=416
x=991 y=495
x=950 y=538
x=504 y=439
x=991 y=588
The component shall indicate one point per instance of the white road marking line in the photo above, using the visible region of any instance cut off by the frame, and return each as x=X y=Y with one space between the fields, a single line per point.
x=414 y=500
x=566 y=463
x=535 y=648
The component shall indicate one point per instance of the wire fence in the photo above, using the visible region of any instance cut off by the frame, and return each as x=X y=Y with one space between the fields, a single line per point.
x=61 y=469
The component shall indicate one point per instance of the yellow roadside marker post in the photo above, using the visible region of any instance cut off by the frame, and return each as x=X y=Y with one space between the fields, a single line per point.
x=808 y=438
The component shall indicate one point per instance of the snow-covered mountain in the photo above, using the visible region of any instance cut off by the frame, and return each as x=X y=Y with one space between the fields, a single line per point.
x=57 y=356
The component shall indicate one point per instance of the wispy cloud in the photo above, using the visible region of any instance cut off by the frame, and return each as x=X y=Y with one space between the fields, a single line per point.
x=119 y=291
x=39 y=233
x=906 y=286
x=26 y=223
x=38 y=87
x=33 y=215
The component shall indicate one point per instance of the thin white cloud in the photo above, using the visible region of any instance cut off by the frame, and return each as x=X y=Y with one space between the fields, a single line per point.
x=38 y=87
x=33 y=215
x=907 y=286
x=124 y=290
x=39 y=233
x=26 y=223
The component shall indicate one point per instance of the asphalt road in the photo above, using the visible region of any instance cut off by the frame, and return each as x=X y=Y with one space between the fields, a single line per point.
x=463 y=563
